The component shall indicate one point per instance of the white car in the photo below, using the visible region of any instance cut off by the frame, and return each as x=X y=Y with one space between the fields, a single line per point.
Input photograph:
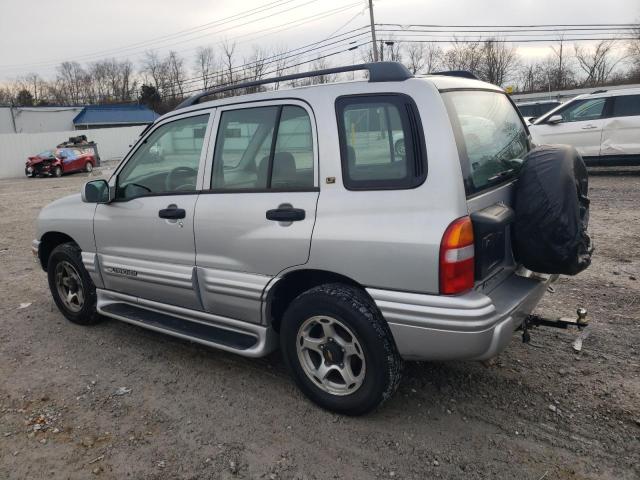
x=603 y=126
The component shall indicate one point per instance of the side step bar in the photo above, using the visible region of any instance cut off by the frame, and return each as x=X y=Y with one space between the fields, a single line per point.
x=219 y=332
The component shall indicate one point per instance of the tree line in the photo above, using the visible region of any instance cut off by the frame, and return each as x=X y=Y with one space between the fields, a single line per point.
x=162 y=81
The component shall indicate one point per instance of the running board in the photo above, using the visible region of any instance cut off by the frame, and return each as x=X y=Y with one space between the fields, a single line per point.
x=219 y=332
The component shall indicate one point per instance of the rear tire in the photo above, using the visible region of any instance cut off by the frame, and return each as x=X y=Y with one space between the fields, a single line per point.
x=88 y=167
x=340 y=350
x=71 y=286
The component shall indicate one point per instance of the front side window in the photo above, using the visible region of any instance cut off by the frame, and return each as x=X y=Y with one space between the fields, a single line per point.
x=167 y=160
x=380 y=142
x=492 y=140
x=626 y=105
x=264 y=148
x=583 y=110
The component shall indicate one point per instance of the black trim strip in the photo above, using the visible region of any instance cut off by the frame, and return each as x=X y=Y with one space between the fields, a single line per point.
x=274 y=140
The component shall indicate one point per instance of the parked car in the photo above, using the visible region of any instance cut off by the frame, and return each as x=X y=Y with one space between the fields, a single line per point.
x=60 y=161
x=603 y=126
x=532 y=110
x=289 y=218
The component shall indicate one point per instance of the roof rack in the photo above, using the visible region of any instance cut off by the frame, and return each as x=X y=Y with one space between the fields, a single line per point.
x=378 y=72
x=457 y=73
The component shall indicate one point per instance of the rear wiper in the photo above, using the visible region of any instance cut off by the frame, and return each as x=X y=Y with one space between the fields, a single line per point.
x=500 y=175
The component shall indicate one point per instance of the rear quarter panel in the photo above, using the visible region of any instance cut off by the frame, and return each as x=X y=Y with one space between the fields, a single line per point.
x=387 y=239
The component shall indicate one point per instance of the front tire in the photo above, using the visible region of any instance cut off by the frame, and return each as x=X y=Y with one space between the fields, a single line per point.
x=57 y=172
x=339 y=349
x=71 y=286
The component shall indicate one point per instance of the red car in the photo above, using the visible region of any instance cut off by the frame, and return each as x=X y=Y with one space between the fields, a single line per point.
x=61 y=160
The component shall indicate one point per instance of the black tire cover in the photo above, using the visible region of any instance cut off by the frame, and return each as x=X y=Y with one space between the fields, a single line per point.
x=552 y=212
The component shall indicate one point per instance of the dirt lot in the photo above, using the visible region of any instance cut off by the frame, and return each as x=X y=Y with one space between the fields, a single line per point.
x=540 y=411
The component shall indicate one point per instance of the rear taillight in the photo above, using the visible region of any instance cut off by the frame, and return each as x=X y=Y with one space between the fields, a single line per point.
x=456 y=257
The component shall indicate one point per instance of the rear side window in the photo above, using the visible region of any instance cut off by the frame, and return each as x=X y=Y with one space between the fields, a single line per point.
x=381 y=142
x=492 y=140
x=583 y=110
x=626 y=105
x=264 y=148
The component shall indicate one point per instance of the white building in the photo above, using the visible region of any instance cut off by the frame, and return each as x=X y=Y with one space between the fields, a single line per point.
x=37 y=119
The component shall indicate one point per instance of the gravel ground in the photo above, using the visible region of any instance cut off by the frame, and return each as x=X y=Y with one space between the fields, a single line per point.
x=538 y=411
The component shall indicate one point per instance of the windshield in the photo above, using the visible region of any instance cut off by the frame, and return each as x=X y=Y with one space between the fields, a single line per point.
x=492 y=140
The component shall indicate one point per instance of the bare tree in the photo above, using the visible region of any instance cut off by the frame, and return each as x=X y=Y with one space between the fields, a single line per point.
x=177 y=74
x=33 y=83
x=532 y=77
x=156 y=70
x=280 y=64
x=563 y=75
x=597 y=63
x=228 y=56
x=499 y=61
x=463 y=55
x=205 y=66
x=71 y=82
x=415 y=56
x=423 y=57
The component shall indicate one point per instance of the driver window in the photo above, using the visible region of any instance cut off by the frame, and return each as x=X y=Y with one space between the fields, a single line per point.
x=167 y=161
x=584 y=110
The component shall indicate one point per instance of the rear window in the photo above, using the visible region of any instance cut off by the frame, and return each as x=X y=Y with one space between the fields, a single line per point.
x=492 y=140
x=626 y=105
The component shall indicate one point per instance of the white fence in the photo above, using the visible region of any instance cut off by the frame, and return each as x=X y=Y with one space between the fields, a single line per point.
x=15 y=148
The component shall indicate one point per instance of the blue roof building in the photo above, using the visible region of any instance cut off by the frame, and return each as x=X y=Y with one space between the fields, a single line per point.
x=106 y=116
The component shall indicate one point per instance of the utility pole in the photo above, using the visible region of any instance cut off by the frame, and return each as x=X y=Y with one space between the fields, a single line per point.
x=374 y=44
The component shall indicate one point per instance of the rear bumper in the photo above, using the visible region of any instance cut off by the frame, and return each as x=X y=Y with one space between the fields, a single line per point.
x=472 y=326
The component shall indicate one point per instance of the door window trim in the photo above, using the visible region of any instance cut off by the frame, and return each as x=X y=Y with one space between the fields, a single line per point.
x=408 y=111
x=147 y=132
x=606 y=111
x=281 y=103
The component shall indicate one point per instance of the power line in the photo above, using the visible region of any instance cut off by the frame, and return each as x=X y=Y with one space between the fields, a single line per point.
x=265 y=75
x=286 y=25
x=195 y=29
x=284 y=55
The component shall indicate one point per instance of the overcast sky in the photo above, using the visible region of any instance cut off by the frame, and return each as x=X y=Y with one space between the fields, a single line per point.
x=38 y=34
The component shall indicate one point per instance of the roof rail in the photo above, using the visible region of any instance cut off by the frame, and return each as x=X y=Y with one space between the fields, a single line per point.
x=598 y=91
x=378 y=72
x=457 y=73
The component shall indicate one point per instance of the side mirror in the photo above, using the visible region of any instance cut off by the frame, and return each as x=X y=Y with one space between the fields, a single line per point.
x=553 y=119
x=96 y=191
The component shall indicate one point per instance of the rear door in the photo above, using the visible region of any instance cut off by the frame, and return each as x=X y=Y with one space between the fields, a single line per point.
x=255 y=217
x=492 y=142
x=621 y=133
x=581 y=126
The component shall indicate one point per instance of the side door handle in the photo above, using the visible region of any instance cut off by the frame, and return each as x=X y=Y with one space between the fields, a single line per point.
x=286 y=214
x=172 y=212
x=589 y=127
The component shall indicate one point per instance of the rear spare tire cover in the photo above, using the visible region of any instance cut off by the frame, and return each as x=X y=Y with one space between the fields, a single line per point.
x=552 y=212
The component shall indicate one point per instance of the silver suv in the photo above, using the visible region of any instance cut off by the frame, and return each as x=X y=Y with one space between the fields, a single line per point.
x=292 y=218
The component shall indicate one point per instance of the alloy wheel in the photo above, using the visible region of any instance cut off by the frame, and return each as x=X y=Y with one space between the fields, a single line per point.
x=331 y=355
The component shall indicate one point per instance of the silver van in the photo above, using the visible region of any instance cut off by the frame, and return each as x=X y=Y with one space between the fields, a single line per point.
x=354 y=225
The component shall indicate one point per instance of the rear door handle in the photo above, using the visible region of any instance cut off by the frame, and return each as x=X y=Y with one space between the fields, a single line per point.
x=589 y=127
x=172 y=212
x=286 y=214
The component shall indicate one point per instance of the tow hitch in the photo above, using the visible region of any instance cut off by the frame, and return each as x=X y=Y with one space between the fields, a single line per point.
x=580 y=322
